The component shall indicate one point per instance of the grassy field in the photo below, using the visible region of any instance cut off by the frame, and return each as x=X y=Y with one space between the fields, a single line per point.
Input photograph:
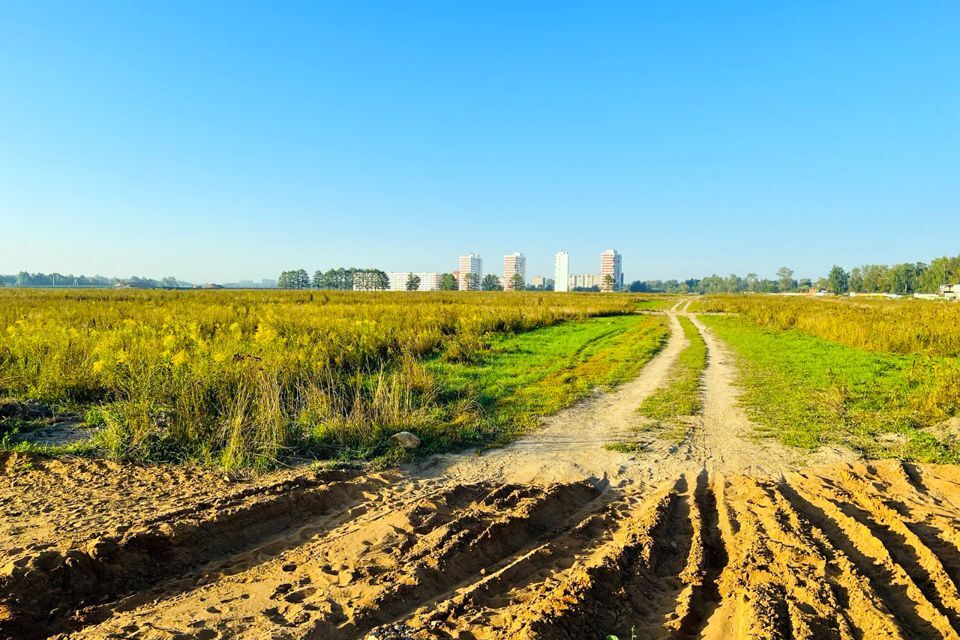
x=537 y=373
x=904 y=326
x=250 y=378
x=807 y=389
x=681 y=396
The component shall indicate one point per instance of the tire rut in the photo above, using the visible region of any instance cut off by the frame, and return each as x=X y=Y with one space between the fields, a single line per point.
x=916 y=616
x=61 y=590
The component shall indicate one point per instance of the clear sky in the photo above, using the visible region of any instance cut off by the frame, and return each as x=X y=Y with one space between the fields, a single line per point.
x=230 y=140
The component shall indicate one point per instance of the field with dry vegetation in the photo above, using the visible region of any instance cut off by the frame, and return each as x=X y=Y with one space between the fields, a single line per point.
x=242 y=379
x=706 y=468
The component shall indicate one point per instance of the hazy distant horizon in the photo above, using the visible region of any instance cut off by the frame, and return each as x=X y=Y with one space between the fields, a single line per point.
x=217 y=142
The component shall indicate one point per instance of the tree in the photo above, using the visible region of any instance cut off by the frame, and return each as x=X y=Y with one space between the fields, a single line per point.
x=856 y=280
x=838 y=280
x=607 y=283
x=448 y=282
x=301 y=279
x=413 y=282
x=297 y=279
x=517 y=283
x=939 y=272
x=472 y=280
x=735 y=283
x=876 y=278
x=318 y=280
x=370 y=280
x=490 y=282
x=785 y=278
x=753 y=282
x=905 y=277
x=328 y=279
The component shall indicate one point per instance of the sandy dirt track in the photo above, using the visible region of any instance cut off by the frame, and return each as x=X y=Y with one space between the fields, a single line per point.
x=721 y=536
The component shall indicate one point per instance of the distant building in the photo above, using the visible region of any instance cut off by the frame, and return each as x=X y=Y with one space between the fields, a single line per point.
x=538 y=281
x=561 y=271
x=429 y=280
x=514 y=264
x=950 y=292
x=471 y=266
x=611 y=264
x=583 y=281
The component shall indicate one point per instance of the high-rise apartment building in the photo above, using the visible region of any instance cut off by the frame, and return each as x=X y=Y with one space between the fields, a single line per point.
x=471 y=271
x=561 y=271
x=429 y=281
x=611 y=265
x=513 y=265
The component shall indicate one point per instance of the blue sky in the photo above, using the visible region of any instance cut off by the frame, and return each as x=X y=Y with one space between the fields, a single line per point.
x=221 y=141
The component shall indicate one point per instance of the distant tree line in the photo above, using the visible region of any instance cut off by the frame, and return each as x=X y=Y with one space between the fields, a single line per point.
x=335 y=279
x=25 y=279
x=353 y=279
x=903 y=279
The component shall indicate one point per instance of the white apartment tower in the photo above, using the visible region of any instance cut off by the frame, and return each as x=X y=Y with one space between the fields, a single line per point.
x=514 y=264
x=561 y=271
x=611 y=265
x=471 y=270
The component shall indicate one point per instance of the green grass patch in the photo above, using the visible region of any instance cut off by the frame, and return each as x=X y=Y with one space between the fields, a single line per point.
x=624 y=447
x=681 y=395
x=656 y=302
x=533 y=374
x=807 y=391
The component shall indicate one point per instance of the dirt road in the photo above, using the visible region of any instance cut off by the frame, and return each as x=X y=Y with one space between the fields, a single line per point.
x=721 y=536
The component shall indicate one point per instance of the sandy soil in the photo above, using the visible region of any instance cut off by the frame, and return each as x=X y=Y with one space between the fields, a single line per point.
x=721 y=536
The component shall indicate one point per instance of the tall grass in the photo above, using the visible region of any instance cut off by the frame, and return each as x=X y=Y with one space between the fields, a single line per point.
x=891 y=326
x=239 y=378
